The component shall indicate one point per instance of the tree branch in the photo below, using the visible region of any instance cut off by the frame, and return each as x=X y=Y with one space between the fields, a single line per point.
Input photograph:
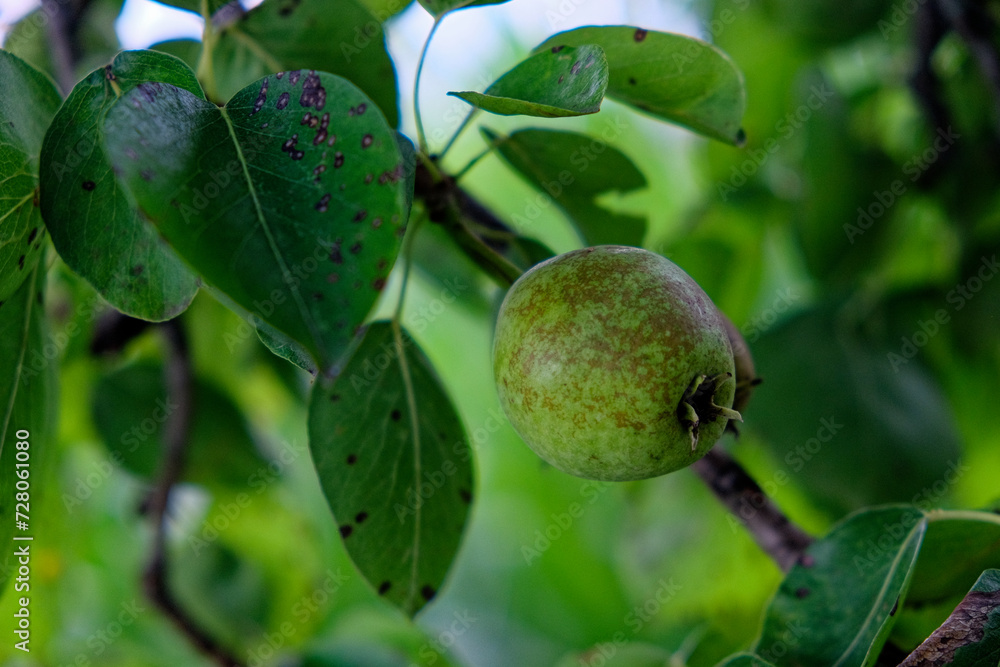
x=176 y=433
x=774 y=532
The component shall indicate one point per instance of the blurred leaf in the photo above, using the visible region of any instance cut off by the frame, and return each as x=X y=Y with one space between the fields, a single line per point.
x=971 y=635
x=130 y=407
x=385 y=9
x=95 y=225
x=837 y=605
x=620 y=654
x=395 y=466
x=850 y=428
x=439 y=8
x=574 y=169
x=227 y=595
x=27 y=378
x=958 y=546
x=823 y=23
x=744 y=660
x=96 y=37
x=679 y=79
x=289 y=199
x=28 y=100
x=337 y=36
x=286 y=348
x=558 y=82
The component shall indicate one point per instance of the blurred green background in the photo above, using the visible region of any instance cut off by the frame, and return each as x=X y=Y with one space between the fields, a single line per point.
x=853 y=240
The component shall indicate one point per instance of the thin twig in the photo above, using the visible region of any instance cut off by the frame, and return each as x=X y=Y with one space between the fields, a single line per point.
x=176 y=434
x=774 y=532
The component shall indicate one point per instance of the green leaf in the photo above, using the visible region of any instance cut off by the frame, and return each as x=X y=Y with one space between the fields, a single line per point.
x=837 y=415
x=744 y=660
x=971 y=635
x=439 y=8
x=27 y=380
x=395 y=465
x=619 y=654
x=337 y=36
x=679 y=79
x=290 y=199
x=94 y=223
x=838 y=604
x=958 y=546
x=554 y=83
x=568 y=167
x=130 y=407
x=28 y=100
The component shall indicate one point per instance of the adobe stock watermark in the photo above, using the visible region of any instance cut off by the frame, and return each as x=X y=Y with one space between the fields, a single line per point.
x=765 y=319
x=785 y=129
x=581 y=159
x=789 y=637
x=925 y=500
x=418 y=318
x=430 y=651
x=302 y=610
x=100 y=641
x=132 y=440
x=915 y=167
x=635 y=620
x=434 y=480
x=226 y=514
x=958 y=297
x=796 y=459
x=900 y=15
x=562 y=522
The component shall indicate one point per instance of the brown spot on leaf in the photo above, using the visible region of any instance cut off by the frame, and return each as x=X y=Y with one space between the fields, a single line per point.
x=360 y=215
x=89 y=186
x=378 y=284
x=335 y=256
x=575 y=69
x=361 y=516
x=146 y=174
x=20 y=263
x=313 y=92
x=334 y=398
x=362 y=108
x=395 y=415
x=333 y=277
x=465 y=495
x=138 y=269
x=640 y=34
x=428 y=592
x=338 y=160
x=33 y=234
x=356 y=248
x=802 y=592
x=631 y=81
x=557 y=49
x=346 y=530
x=293 y=76
x=384 y=587
x=366 y=141
x=261 y=96
x=283 y=101
x=376 y=223
x=324 y=203
x=351 y=459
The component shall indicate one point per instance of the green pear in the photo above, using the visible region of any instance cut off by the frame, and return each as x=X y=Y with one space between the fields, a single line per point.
x=613 y=364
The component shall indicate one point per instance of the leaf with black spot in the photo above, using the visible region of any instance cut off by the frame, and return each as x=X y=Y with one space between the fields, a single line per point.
x=395 y=465
x=673 y=77
x=28 y=100
x=557 y=82
x=236 y=194
x=96 y=226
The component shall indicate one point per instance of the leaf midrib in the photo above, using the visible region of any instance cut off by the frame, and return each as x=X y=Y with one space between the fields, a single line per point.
x=272 y=244
x=411 y=403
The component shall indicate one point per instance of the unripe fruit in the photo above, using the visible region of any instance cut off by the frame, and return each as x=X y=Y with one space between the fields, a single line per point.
x=613 y=364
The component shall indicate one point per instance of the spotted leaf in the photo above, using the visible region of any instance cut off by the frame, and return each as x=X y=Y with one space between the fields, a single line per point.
x=94 y=222
x=28 y=100
x=561 y=81
x=394 y=464
x=839 y=602
x=289 y=200
x=677 y=78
